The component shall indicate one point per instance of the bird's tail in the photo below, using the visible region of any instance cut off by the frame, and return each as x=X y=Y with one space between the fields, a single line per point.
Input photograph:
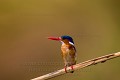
x=72 y=71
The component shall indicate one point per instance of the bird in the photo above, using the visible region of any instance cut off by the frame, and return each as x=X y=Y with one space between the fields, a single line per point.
x=68 y=51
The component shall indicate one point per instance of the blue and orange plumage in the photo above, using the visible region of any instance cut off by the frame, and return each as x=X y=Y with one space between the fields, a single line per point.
x=68 y=51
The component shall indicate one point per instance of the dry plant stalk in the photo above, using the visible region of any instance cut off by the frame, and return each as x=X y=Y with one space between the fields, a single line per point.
x=79 y=66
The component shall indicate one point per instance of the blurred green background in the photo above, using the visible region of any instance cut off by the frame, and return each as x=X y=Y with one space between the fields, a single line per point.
x=26 y=53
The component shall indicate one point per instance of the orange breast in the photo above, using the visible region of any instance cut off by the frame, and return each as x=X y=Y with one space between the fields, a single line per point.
x=67 y=49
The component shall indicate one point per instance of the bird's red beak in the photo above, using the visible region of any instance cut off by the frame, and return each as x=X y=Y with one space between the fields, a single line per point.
x=55 y=38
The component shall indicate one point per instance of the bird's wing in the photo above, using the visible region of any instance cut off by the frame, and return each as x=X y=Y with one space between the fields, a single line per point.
x=72 y=51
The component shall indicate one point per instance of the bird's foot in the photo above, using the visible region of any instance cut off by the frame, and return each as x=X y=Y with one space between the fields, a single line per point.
x=72 y=69
x=65 y=69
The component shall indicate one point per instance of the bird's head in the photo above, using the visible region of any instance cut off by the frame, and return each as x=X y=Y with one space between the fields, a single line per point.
x=65 y=39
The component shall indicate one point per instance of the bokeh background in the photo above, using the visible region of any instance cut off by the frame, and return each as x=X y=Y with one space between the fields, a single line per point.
x=26 y=53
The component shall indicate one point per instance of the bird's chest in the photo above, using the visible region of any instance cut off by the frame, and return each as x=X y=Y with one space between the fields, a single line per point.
x=65 y=49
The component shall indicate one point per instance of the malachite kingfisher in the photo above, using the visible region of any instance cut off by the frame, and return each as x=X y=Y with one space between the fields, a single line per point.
x=68 y=51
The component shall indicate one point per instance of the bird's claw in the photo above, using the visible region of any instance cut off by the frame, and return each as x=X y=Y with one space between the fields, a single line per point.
x=65 y=69
x=71 y=71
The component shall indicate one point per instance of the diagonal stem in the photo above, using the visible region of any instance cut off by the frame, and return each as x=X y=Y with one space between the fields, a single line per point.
x=79 y=66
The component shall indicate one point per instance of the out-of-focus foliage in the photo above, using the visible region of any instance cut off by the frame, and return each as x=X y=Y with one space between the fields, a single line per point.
x=26 y=53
